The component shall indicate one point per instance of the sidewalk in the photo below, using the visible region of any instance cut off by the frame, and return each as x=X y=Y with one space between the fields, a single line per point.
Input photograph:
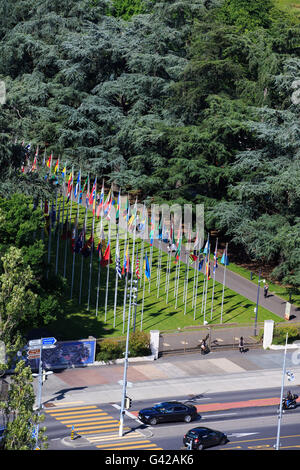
x=176 y=376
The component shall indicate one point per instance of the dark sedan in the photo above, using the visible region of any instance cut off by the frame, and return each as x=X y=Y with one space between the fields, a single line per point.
x=199 y=438
x=168 y=411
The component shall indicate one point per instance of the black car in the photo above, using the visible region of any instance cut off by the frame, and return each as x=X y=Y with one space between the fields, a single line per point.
x=199 y=438
x=168 y=411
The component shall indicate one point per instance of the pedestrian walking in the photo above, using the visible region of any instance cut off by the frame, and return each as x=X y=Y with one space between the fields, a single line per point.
x=241 y=344
x=266 y=288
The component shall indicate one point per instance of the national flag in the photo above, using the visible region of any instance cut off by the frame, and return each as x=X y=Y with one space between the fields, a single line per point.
x=125 y=268
x=87 y=193
x=132 y=220
x=63 y=173
x=77 y=186
x=101 y=201
x=151 y=235
x=201 y=261
x=118 y=266
x=79 y=242
x=93 y=192
x=137 y=267
x=196 y=243
x=118 y=208
x=107 y=205
x=178 y=251
x=56 y=168
x=49 y=162
x=206 y=248
x=207 y=269
x=126 y=212
x=193 y=257
x=106 y=257
x=88 y=247
x=224 y=259
x=34 y=166
x=82 y=191
x=147 y=267
x=70 y=183
x=215 y=261
x=160 y=227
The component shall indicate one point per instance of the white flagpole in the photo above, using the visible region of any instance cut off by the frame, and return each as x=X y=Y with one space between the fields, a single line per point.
x=168 y=270
x=133 y=255
x=107 y=271
x=117 y=256
x=196 y=286
x=178 y=275
x=74 y=253
x=99 y=266
x=57 y=241
x=91 y=255
x=143 y=300
x=126 y=245
x=224 y=283
x=83 y=241
x=214 y=279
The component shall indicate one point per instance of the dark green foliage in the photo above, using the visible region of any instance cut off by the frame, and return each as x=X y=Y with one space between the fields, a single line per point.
x=246 y=14
x=183 y=101
x=20 y=230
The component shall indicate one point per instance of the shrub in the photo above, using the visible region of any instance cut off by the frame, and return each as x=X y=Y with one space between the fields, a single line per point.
x=110 y=349
x=139 y=344
x=279 y=335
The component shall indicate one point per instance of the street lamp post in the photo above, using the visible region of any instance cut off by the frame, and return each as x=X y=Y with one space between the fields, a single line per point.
x=257 y=300
x=122 y=410
x=281 y=396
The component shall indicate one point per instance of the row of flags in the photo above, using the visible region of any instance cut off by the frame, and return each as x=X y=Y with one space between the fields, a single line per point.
x=80 y=245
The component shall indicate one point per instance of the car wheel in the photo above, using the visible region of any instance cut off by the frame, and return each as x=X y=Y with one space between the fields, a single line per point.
x=188 y=418
x=200 y=447
x=223 y=441
x=153 y=421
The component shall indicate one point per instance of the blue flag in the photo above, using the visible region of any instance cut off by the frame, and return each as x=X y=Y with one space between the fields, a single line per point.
x=224 y=259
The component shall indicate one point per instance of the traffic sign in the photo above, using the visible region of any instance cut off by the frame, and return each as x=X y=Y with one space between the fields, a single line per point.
x=35 y=342
x=47 y=341
x=48 y=346
x=33 y=353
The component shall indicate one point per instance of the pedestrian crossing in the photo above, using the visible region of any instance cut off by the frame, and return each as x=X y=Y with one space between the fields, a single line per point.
x=99 y=428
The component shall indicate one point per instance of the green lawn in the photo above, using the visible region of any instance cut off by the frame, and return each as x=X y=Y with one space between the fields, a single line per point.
x=80 y=323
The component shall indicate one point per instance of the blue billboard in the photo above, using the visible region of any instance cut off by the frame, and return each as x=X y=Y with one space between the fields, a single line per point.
x=66 y=354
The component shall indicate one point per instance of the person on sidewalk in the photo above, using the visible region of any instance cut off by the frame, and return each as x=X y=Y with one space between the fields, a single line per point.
x=266 y=288
x=241 y=345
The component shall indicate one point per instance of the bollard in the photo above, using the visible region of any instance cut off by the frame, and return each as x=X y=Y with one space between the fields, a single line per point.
x=72 y=433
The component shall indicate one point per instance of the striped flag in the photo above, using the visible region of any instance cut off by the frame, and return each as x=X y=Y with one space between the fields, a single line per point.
x=137 y=267
x=118 y=266
x=93 y=192
x=77 y=187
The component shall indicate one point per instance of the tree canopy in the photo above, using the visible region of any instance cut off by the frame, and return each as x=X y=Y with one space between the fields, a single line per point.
x=184 y=101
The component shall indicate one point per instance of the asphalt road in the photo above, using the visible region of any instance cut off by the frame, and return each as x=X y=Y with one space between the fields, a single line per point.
x=248 y=427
